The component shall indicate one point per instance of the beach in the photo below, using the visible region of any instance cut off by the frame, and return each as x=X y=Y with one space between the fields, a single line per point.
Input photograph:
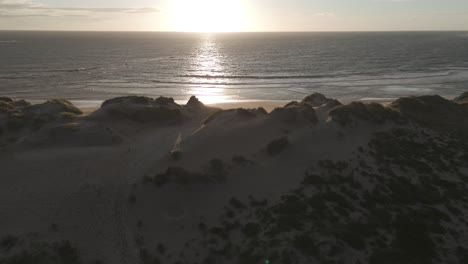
x=88 y=107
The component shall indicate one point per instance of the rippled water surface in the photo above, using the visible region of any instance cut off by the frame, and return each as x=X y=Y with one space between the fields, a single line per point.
x=234 y=66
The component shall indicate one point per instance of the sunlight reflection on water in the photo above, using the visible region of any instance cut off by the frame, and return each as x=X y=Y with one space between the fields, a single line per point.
x=208 y=63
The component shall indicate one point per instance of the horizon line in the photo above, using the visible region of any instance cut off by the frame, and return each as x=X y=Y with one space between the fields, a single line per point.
x=234 y=32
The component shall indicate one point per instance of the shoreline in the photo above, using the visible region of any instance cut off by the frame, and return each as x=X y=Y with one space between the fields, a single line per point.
x=89 y=106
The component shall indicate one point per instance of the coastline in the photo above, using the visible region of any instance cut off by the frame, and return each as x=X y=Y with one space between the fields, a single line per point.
x=89 y=106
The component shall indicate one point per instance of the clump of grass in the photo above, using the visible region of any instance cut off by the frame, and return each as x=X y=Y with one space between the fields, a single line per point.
x=241 y=160
x=132 y=199
x=147 y=258
x=251 y=229
x=54 y=227
x=15 y=121
x=277 y=146
x=67 y=253
x=237 y=204
x=9 y=242
x=161 y=249
x=306 y=245
x=6 y=107
x=347 y=115
x=42 y=253
x=215 y=172
x=176 y=154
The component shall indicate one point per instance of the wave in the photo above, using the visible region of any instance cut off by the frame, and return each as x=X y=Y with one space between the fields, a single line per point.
x=331 y=77
x=73 y=70
x=11 y=77
x=258 y=77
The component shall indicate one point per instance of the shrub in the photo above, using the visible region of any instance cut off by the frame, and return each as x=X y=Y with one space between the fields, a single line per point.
x=161 y=249
x=237 y=204
x=215 y=172
x=251 y=229
x=220 y=232
x=147 y=258
x=176 y=154
x=43 y=253
x=217 y=167
x=241 y=160
x=413 y=239
x=132 y=199
x=347 y=115
x=67 y=253
x=54 y=227
x=313 y=179
x=8 y=242
x=277 y=146
x=15 y=122
x=306 y=245
x=256 y=203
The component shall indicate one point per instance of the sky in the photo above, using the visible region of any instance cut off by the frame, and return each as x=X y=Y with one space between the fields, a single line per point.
x=234 y=15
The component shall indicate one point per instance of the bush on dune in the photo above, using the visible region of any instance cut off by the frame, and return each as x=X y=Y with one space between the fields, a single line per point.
x=142 y=109
x=64 y=106
x=317 y=100
x=38 y=252
x=8 y=242
x=6 y=99
x=241 y=160
x=234 y=115
x=295 y=112
x=127 y=100
x=433 y=111
x=21 y=115
x=21 y=104
x=16 y=121
x=52 y=108
x=6 y=107
x=347 y=115
x=277 y=146
x=215 y=172
x=463 y=98
x=193 y=103
x=430 y=111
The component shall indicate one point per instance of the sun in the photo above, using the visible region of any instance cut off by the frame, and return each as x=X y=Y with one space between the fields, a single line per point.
x=208 y=15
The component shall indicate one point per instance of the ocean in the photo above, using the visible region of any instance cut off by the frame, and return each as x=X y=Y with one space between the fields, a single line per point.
x=226 y=67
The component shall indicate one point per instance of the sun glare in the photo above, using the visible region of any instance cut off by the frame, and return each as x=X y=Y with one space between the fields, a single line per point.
x=208 y=15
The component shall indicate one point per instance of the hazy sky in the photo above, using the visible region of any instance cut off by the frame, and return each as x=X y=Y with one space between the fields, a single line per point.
x=235 y=15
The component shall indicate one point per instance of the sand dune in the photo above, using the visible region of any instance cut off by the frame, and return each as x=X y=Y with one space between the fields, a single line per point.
x=144 y=180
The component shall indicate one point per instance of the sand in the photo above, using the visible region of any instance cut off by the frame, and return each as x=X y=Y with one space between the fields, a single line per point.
x=268 y=105
x=113 y=187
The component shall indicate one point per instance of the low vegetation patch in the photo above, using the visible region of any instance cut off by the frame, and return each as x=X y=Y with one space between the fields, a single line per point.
x=348 y=115
x=215 y=172
x=400 y=199
x=277 y=146
x=18 y=251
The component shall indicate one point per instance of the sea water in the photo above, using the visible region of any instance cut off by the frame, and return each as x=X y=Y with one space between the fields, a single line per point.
x=93 y=66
